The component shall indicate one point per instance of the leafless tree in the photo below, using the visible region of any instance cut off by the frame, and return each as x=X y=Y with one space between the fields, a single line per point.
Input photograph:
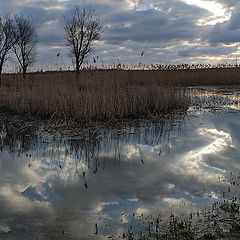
x=6 y=40
x=82 y=29
x=26 y=39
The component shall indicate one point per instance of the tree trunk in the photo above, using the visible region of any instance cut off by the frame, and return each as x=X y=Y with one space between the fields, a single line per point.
x=24 y=71
x=1 y=67
x=77 y=69
x=77 y=75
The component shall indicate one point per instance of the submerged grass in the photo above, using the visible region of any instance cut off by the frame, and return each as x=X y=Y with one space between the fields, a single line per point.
x=219 y=219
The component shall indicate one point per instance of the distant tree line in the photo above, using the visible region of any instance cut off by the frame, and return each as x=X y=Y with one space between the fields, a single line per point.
x=18 y=36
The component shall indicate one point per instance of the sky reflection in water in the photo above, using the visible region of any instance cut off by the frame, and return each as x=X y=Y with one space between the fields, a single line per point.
x=62 y=189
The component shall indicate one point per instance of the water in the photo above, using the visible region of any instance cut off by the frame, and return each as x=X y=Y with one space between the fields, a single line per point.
x=95 y=184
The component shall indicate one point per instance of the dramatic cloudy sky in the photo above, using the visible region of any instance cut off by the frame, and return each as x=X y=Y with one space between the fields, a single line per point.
x=168 y=31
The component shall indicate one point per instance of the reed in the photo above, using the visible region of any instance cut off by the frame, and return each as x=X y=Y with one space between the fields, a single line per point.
x=102 y=95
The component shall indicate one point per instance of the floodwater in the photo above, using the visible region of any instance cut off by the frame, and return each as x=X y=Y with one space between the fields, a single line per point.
x=74 y=185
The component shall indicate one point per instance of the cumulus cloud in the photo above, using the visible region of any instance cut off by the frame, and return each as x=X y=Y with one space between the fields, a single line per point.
x=172 y=21
x=207 y=51
x=167 y=31
x=228 y=3
x=227 y=32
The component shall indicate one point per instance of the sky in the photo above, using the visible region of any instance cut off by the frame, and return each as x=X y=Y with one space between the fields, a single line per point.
x=168 y=31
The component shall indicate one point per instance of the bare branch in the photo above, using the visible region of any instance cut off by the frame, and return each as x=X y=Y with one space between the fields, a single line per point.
x=82 y=29
x=26 y=39
x=6 y=39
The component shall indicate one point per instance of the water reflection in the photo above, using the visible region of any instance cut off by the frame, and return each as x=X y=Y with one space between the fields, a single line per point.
x=214 y=98
x=93 y=188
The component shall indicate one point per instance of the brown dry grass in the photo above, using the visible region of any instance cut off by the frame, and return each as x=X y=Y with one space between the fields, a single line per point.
x=95 y=96
x=102 y=95
x=199 y=77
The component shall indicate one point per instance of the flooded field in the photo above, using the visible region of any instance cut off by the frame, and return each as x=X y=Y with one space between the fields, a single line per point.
x=136 y=181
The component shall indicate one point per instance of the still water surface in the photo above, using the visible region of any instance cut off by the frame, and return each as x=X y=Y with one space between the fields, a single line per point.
x=55 y=186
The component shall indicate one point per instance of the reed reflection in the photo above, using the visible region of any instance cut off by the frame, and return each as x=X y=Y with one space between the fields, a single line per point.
x=88 y=184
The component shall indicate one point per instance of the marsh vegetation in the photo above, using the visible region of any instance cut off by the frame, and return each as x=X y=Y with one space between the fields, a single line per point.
x=105 y=95
x=96 y=96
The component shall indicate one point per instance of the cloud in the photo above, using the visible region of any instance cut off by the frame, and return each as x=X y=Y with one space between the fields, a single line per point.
x=177 y=22
x=132 y=26
x=228 y=3
x=207 y=51
x=227 y=32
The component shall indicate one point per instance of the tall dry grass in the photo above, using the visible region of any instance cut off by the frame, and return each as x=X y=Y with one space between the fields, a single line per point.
x=101 y=95
x=95 y=96
x=200 y=77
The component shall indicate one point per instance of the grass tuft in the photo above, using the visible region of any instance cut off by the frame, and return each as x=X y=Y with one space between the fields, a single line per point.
x=95 y=96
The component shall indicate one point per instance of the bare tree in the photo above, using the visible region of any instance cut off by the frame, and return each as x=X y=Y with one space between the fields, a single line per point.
x=82 y=29
x=26 y=39
x=6 y=40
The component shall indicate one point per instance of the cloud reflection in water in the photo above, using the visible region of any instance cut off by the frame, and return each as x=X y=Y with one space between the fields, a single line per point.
x=52 y=189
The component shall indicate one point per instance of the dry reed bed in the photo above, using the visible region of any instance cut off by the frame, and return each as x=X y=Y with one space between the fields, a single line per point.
x=102 y=95
x=95 y=96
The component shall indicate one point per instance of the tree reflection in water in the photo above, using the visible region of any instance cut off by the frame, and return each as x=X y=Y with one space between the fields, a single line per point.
x=69 y=183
